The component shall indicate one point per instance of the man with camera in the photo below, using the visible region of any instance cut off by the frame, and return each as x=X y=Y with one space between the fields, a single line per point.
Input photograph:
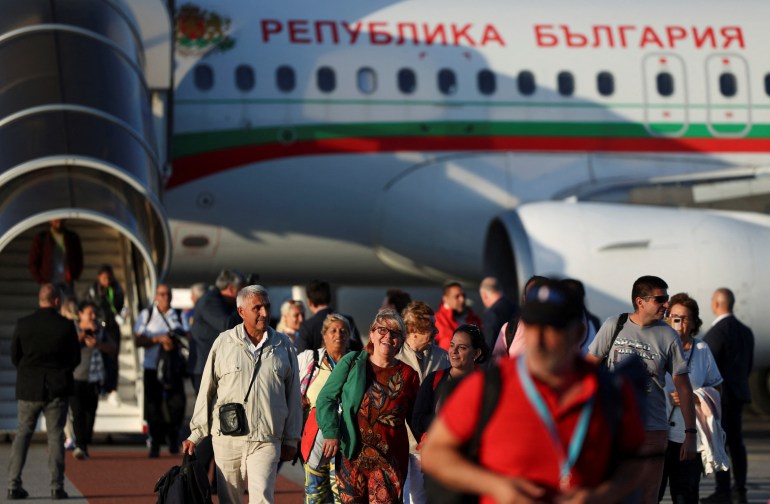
x=160 y=332
x=95 y=345
x=249 y=402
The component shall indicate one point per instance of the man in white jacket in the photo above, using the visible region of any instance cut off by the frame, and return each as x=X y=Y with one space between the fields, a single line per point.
x=250 y=351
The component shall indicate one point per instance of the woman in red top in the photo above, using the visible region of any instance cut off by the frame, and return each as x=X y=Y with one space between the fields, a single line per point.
x=467 y=350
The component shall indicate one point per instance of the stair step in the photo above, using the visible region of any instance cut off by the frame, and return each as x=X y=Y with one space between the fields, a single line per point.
x=8 y=409
x=18 y=298
x=19 y=289
x=7 y=377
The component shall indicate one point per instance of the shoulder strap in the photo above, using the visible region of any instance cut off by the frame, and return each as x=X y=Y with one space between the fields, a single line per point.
x=150 y=311
x=622 y=319
x=510 y=331
x=313 y=367
x=438 y=377
x=256 y=370
x=489 y=400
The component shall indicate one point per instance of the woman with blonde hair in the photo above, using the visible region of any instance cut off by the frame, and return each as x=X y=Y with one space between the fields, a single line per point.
x=315 y=367
x=369 y=439
x=292 y=315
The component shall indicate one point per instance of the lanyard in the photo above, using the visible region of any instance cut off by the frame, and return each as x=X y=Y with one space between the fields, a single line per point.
x=330 y=361
x=578 y=436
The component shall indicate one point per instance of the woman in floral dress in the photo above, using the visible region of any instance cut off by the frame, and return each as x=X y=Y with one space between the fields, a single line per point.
x=377 y=393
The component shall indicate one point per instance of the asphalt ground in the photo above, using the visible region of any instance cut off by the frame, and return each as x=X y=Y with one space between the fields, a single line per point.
x=120 y=472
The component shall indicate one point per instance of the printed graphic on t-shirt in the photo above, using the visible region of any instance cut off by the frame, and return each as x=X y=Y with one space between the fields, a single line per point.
x=625 y=346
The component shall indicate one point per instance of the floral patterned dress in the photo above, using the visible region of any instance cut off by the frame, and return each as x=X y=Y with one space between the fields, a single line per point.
x=378 y=472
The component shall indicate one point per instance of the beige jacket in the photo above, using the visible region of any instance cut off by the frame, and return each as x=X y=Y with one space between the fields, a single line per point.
x=432 y=359
x=273 y=408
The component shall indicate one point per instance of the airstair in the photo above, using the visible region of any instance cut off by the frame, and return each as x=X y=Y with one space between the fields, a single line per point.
x=18 y=297
x=84 y=129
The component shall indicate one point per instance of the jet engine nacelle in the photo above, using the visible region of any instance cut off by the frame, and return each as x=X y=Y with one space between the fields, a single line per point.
x=608 y=246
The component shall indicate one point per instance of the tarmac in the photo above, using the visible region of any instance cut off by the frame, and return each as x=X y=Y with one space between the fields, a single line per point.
x=120 y=472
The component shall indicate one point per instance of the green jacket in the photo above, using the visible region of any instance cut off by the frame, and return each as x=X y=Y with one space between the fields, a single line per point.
x=347 y=384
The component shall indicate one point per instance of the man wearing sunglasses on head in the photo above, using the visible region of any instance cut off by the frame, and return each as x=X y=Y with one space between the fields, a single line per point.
x=644 y=333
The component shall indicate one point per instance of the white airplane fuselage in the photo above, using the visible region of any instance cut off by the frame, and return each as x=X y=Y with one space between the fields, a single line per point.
x=377 y=143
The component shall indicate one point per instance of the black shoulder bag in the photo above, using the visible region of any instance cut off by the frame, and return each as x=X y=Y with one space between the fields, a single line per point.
x=232 y=416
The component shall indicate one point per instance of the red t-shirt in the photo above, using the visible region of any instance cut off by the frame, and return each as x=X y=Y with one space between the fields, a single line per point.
x=516 y=442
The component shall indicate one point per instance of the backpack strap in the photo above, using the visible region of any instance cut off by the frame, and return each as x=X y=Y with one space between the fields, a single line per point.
x=622 y=319
x=489 y=400
x=510 y=330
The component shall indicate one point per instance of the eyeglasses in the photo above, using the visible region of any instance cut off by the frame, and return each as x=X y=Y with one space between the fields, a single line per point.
x=658 y=299
x=383 y=331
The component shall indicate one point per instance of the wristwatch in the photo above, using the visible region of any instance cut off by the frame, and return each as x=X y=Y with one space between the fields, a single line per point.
x=691 y=431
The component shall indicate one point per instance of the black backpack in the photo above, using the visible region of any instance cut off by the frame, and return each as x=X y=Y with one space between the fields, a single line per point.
x=185 y=484
x=435 y=491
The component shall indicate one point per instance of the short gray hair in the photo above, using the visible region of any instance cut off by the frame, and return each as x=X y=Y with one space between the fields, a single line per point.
x=490 y=284
x=228 y=277
x=198 y=289
x=335 y=317
x=250 y=291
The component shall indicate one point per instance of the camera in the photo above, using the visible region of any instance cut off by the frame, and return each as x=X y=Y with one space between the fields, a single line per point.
x=177 y=333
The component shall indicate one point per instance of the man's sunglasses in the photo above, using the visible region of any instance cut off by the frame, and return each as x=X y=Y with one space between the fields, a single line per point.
x=658 y=299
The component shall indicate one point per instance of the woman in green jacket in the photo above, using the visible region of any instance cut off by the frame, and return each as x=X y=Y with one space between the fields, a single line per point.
x=369 y=438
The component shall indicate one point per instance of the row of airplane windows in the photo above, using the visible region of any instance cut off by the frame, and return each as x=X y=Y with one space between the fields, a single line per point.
x=446 y=81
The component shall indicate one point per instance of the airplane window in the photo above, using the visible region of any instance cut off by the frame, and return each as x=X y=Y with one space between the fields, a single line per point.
x=407 y=81
x=203 y=77
x=767 y=84
x=244 y=77
x=566 y=83
x=326 y=80
x=605 y=83
x=447 y=81
x=285 y=79
x=526 y=82
x=728 y=86
x=665 y=84
x=487 y=82
x=367 y=80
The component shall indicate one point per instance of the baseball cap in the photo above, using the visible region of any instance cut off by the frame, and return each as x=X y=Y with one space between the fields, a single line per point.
x=553 y=303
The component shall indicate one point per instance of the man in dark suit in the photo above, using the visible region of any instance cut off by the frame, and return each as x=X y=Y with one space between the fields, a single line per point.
x=45 y=351
x=212 y=312
x=319 y=298
x=732 y=344
x=499 y=309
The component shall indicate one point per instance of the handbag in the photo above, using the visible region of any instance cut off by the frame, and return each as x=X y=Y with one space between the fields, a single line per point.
x=232 y=416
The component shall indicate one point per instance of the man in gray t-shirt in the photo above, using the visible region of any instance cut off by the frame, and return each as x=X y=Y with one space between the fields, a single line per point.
x=645 y=335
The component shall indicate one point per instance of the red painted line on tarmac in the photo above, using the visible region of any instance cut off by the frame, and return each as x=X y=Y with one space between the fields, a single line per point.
x=128 y=476
x=189 y=168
